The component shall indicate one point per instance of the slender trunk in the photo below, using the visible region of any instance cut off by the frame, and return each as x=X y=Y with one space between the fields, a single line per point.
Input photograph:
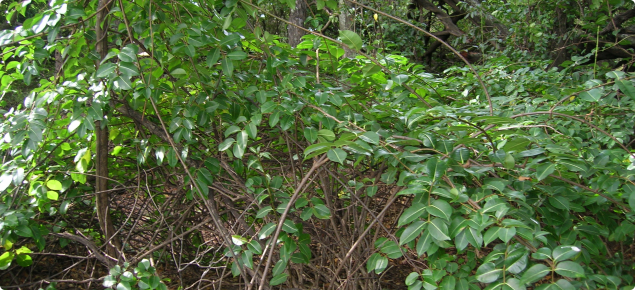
x=101 y=134
x=297 y=17
x=345 y=20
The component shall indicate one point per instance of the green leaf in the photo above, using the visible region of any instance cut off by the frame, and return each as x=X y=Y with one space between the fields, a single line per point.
x=236 y=267
x=559 y=202
x=22 y=257
x=517 y=265
x=172 y=158
x=274 y=118
x=226 y=24
x=412 y=232
x=441 y=208
x=52 y=195
x=268 y=107
x=41 y=24
x=461 y=155
x=400 y=79
x=226 y=144
x=494 y=204
x=509 y=161
x=255 y=247
x=411 y=214
x=474 y=236
x=128 y=69
x=190 y=50
x=439 y=230
x=436 y=168
x=371 y=190
x=542 y=254
x=561 y=253
x=371 y=262
x=266 y=230
x=337 y=155
x=544 y=170
x=23 y=231
x=212 y=57
x=328 y=135
x=381 y=264
x=573 y=165
x=263 y=212
x=593 y=95
x=626 y=86
x=491 y=234
x=129 y=53
x=279 y=267
x=238 y=240
x=230 y=40
x=506 y=234
x=123 y=83
x=424 y=243
x=241 y=144
x=54 y=185
x=391 y=249
x=535 y=273
x=252 y=130
x=228 y=66
x=206 y=176
x=449 y=282
x=320 y=5
x=351 y=39
x=179 y=72
x=279 y=279
x=376 y=262
x=311 y=134
x=370 y=137
x=237 y=55
x=317 y=147
x=289 y=227
x=370 y=69
x=509 y=284
x=5 y=260
x=518 y=144
x=321 y=211
x=570 y=269
x=488 y=273
x=412 y=277
x=109 y=281
x=493 y=120
x=106 y=69
x=561 y=284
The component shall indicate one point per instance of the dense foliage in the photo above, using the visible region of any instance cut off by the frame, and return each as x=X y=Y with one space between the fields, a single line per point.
x=233 y=158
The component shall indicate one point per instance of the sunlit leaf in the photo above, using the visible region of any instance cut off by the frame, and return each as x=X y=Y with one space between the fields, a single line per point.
x=351 y=39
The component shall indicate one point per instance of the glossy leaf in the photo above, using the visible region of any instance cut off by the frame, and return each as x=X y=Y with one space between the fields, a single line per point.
x=535 y=273
x=561 y=253
x=439 y=230
x=411 y=214
x=570 y=269
x=337 y=155
x=488 y=273
x=412 y=232
x=351 y=39
x=440 y=208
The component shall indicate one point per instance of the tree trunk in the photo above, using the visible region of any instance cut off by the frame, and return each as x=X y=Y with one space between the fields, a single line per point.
x=101 y=134
x=297 y=17
x=345 y=20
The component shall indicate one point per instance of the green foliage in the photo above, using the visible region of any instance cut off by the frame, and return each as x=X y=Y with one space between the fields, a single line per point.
x=311 y=146
x=142 y=277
